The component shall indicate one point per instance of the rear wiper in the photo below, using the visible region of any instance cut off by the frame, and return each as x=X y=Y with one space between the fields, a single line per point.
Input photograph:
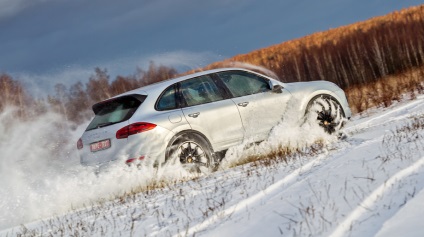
x=101 y=125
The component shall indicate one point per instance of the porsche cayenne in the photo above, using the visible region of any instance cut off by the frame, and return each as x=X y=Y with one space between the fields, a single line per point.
x=192 y=118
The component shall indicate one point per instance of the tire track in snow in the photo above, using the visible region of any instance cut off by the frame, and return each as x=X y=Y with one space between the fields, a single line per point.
x=280 y=185
x=292 y=177
x=343 y=228
x=264 y=195
x=270 y=191
x=376 y=121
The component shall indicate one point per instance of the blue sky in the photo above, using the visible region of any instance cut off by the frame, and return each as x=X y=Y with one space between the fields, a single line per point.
x=44 y=42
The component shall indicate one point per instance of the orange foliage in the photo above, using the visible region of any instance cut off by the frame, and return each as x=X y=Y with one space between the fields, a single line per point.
x=355 y=54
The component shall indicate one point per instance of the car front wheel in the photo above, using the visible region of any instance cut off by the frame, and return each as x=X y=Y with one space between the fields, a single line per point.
x=329 y=114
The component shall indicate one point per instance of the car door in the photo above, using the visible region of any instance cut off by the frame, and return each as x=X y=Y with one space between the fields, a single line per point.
x=260 y=108
x=209 y=111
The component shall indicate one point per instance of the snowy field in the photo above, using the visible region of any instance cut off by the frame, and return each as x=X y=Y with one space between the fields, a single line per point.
x=368 y=184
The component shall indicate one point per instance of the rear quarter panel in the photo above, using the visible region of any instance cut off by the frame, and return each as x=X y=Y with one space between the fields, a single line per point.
x=169 y=123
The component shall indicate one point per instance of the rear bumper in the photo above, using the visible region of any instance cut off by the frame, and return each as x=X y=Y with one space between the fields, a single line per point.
x=150 y=144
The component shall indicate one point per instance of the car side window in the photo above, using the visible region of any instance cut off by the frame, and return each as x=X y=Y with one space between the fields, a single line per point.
x=168 y=99
x=200 y=90
x=242 y=83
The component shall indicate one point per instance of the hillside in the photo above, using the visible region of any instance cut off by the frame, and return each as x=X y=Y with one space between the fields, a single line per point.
x=369 y=184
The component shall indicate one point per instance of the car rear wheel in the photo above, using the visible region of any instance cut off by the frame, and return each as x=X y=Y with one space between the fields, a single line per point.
x=193 y=152
x=329 y=113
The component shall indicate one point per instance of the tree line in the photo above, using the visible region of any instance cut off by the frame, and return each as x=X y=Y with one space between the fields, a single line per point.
x=74 y=102
x=349 y=55
x=374 y=61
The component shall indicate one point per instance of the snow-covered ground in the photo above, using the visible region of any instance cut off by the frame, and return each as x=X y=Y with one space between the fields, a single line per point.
x=369 y=184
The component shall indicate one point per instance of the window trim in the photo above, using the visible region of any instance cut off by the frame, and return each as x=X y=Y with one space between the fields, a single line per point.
x=221 y=86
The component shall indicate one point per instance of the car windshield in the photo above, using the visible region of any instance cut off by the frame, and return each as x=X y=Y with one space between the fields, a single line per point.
x=115 y=110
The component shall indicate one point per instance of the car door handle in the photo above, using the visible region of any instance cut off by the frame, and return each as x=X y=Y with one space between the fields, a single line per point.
x=194 y=115
x=243 y=104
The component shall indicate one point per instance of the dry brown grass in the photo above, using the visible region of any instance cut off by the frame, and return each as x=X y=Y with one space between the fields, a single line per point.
x=281 y=154
x=385 y=91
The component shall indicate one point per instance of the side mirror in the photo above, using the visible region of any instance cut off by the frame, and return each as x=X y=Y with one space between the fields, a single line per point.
x=277 y=89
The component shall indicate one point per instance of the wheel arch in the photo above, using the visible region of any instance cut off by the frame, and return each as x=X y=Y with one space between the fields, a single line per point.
x=187 y=132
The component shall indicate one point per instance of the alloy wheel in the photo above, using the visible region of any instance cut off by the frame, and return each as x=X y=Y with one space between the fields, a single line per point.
x=329 y=114
x=192 y=156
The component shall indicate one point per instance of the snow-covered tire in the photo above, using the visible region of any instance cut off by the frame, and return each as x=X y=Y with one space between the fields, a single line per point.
x=329 y=114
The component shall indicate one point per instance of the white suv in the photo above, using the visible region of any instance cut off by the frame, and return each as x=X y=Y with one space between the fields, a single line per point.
x=195 y=116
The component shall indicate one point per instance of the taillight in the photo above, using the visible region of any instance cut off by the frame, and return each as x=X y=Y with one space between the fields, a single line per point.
x=134 y=129
x=79 y=144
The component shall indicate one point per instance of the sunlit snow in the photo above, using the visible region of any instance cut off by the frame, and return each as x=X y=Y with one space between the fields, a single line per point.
x=368 y=184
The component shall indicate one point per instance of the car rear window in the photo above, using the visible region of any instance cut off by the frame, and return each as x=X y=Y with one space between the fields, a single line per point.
x=115 y=110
